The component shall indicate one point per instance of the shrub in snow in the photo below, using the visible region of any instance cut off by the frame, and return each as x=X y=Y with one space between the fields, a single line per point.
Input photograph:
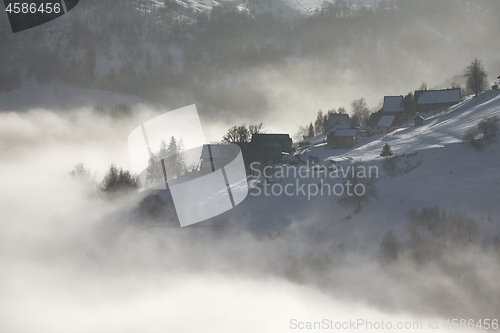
x=488 y=127
x=118 y=183
x=152 y=206
x=470 y=137
x=431 y=229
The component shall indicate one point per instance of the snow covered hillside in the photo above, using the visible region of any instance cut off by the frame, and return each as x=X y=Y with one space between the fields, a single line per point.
x=433 y=168
x=67 y=251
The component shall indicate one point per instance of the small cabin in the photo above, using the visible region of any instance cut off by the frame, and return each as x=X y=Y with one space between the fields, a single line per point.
x=343 y=138
x=338 y=119
x=393 y=105
x=382 y=123
x=436 y=100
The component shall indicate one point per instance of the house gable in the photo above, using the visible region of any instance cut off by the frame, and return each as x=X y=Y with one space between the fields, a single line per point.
x=338 y=118
x=393 y=104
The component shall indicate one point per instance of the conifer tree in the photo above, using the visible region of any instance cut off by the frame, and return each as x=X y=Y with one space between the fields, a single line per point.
x=386 y=151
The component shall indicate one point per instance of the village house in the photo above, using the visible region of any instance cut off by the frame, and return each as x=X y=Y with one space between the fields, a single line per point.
x=436 y=100
x=393 y=105
x=338 y=127
x=338 y=119
x=388 y=118
x=282 y=140
x=265 y=148
x=382 y=123
x=343 y=138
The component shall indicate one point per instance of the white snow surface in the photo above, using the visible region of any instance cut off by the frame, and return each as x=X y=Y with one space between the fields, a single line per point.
x=447 y=173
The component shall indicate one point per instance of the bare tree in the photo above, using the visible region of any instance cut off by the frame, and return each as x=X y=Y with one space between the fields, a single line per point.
x=301 y=133
x=476 y=77
x=470 y=137
x=237 y=134
x=242 y=133
x=255 y=128
x=436 y=226
x=360 y=112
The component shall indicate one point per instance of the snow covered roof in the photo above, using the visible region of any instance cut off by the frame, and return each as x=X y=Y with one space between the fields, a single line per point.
x=386 y=121
x=393 y=104
x=438 y=96
x=346 y=132
x=374 y=119
x=337 y=127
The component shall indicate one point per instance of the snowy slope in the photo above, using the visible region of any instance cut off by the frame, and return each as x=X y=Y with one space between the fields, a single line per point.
x=444 y=129
x=446 y=172
x=284 y=8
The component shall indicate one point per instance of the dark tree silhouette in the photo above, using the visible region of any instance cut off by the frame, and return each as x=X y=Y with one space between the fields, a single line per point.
x=117 y=183
x=152 y=206
x=476 y=77
x=318 y=123
x=242 y=133
x=310 y=133
x=386 y=151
